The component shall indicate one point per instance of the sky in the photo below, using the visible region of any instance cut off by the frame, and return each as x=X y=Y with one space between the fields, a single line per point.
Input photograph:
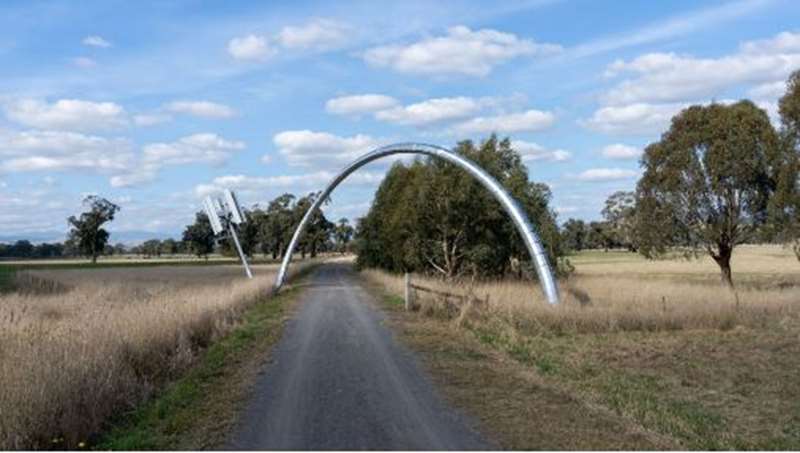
x=155 y=105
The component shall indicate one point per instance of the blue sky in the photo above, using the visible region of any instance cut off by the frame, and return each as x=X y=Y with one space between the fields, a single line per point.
x=154 y=105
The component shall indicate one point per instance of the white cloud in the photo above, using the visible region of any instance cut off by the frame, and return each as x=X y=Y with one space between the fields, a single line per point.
x=641 y=118
x=197 y=148
x=318 y=34
x=250 y=47
x=203 y=109
x=95 y=41
x=67 y=114
x=253 y=184
x=528 y=121
x=59 y=151
x=621 y=151
x=533 y=151
x=84 y=62
x=151 y=119
x=460 y=51
x=359 y=104
x=770 y=90
x=784 y=42
x=205 y=148
x=302 y=147
x=659 y=85
x=605 y=174
x=266 y=159
x=668 y=77
x=430 y=111
x=140 y=176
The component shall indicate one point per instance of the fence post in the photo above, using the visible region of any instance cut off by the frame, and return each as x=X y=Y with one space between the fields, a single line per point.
x=408 y=291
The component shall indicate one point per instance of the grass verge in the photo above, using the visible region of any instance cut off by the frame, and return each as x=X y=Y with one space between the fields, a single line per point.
x=694 y=388
x=196 y=411
x=516 y=406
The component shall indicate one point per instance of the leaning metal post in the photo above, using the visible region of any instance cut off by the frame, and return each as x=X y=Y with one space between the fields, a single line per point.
x=521 y=221
x=232 y=231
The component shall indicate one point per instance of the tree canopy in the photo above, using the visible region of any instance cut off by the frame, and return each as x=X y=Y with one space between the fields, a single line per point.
x=707 y=182
x=199 y=236
x=431 y=216
x=87 y=233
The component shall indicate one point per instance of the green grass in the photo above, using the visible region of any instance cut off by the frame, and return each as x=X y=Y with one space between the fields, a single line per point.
x=394 y=301
x=7 y=278
x=654 y=400
x=163 y=422
x=7 y=270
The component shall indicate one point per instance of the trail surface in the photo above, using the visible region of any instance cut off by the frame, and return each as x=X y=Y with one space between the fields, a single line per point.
x=338 y=380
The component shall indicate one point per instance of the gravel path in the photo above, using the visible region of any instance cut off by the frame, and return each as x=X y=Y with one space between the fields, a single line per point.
x=339 y=381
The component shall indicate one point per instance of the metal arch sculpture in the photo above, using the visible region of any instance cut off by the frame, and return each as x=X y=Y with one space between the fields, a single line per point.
x=521 y=221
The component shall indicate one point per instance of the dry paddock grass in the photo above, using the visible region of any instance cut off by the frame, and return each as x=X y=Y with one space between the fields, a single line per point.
x=79 y=346
x=661 y=344
x=619 y=291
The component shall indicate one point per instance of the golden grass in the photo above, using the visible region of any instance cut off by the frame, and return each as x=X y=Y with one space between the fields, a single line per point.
x=626 y=292
x=69 y=360
x=662 y=346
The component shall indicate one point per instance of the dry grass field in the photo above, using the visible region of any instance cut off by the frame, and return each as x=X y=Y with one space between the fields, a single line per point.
x=80 y=345
x=659 y=344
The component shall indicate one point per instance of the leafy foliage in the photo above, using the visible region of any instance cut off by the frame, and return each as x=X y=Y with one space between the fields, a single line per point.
x=87 y=234
x=343 y=233
x=431 y=216
x=199 y=236
x=784 y=207
x=708 y=180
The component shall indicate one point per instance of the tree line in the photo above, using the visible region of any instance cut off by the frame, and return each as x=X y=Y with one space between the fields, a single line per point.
x=266 y=230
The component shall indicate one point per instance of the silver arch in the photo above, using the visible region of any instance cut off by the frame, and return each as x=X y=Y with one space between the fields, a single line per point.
x=521 y=221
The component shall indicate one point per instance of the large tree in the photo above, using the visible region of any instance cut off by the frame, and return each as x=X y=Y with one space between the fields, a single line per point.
x=573 y=235
x=276 y=226
x=431 y=216
x=707 y=182
x=318 y=231
x=785 y=204
x=619 y=212
x=199 y=237
x=87 y=233
x=343 y=233
x=789 y=107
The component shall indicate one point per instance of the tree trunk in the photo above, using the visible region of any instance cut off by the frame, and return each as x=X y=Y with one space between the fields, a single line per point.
x=94 y=258
x=723 y=259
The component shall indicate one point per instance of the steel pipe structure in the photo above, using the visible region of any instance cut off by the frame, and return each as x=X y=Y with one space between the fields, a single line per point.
x=532 y=242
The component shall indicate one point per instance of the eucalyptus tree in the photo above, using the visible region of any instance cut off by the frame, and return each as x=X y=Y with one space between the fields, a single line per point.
x=343 y=233
x=317 y=234
x=87 y=232
x=619 y=213
x=707 y=182
x=431 y=216
x=574 y=234
x=199 y=237
x=785 y=204
x=276 y=228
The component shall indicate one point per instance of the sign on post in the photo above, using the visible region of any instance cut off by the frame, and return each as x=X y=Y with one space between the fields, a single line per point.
x=229 y=213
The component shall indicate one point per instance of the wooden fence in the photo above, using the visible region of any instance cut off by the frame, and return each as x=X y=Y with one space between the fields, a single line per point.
x=411 y=289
